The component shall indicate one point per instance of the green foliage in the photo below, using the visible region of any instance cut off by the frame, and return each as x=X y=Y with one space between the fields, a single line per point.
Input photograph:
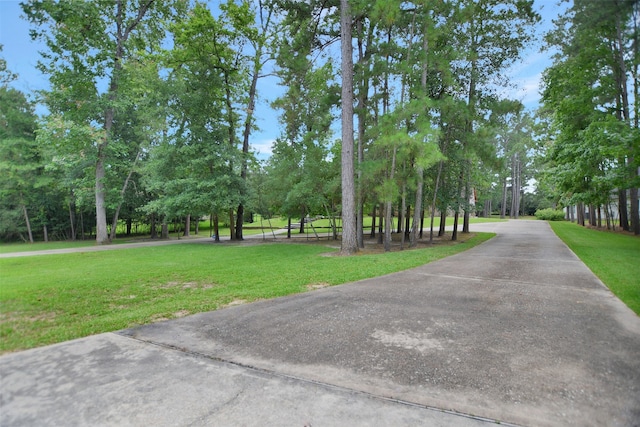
x=612 y=257
x=156 y=93
x=20 y=163
x=300 y=177
x=591 y=148
x=550 y=214
x=6 y=75
x=91 y=60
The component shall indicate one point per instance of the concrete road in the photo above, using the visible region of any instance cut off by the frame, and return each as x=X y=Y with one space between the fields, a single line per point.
x=516 y=331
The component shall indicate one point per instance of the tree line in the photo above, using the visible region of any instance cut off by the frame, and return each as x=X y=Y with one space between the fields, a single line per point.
x=590 y=110
x=152 y=106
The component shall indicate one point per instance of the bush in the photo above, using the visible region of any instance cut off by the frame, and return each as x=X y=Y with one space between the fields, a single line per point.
x=550 y=214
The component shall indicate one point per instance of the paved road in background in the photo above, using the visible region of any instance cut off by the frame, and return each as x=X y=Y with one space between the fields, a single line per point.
x=516 y=330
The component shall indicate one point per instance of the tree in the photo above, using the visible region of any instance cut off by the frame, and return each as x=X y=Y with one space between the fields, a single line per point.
x=90 y=45
x=594 y=129
x=195 y=167
x=300 y=175
x=491 y=36
x=349 y=244
x=258 y=36
x=20 y=163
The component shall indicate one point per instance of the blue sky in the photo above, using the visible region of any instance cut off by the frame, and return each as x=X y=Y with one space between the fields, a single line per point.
x=22 y=55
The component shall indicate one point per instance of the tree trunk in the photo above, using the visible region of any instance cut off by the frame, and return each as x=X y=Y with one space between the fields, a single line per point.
x=433 y=201
x=407 y=221
x=72 y=217
x=403 y=208
x=467 y=204
x=288 y=227
x=388 y=224
x=418 y=210
x=454 y=235
x=363 y=58
x=240 y=220
x=635 y=214
x=81 y=225
x=216 y=227
x=164 y=234
x=400 y=215
x=387 y=227
x=46 y=232
x=622 y=210
x=381 y=223
x=102 y=237
x=349 y=244
x=154 y=231
x=503 y=208
x=373 y=222
x=580 y=213
x=443 y=223
x=515 y=186
x=187 y=225
x=623 y=114
x=232 y=235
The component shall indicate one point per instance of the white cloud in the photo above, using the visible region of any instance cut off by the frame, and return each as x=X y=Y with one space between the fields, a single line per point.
x=263 y=148
x=529 y=90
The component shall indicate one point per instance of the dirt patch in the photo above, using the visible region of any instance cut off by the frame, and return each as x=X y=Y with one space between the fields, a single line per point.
x=371 y=245
x=158 y=318
x=235 y=302
x=161 y=318
x=181 y=313
x=617 y=230
x=183 y=285
x=314 y=286
x=17 y=316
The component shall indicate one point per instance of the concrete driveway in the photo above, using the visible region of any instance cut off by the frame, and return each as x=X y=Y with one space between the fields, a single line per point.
x=516 y=331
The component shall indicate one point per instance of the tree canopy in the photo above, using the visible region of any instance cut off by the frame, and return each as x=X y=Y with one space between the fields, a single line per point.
x=389 y=109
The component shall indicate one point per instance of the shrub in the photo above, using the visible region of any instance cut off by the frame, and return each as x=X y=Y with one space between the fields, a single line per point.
x=550 y=214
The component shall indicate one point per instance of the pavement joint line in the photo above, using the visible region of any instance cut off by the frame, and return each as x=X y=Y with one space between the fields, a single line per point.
x=515 y=282
x=524 y=259
x=272 y=373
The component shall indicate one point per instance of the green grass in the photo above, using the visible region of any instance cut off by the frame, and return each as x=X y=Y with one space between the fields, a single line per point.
x=614 y=258
x=53 y=298
x=42 y=246
x=322 y=228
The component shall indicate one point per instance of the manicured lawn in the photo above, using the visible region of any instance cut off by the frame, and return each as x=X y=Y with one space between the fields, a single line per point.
x=53 y=298
x=614 y=258
x=41 y=246
x=322 y=227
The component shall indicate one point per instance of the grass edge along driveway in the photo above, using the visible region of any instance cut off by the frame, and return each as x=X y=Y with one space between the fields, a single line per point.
x=55 y=298
x=613 y=257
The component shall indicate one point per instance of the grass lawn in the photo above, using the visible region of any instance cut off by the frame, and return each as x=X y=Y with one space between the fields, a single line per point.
x=53 y=298
x=322 y=227
x=614 y=258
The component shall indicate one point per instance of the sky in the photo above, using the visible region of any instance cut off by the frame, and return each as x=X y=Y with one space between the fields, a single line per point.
x=21 y=54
